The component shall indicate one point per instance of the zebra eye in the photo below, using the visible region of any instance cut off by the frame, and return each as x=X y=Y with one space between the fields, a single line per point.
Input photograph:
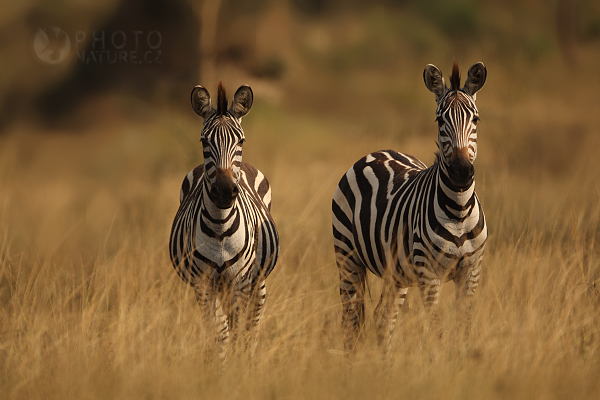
x=440 y=121
x=241 y=142
x=475 y=119
x=204 y=143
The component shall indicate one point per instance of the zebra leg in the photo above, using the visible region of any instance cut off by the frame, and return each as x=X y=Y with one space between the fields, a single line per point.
x=352 y=292
x=392 y=298
x=430 y=291
x=257 y=301
x=238 y=302
x=465 y=292
x=209 y=300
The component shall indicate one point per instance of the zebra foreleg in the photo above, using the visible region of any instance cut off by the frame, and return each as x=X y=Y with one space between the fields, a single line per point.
x=430 y=291
x=465 y=292
x=257 y=302
x=212 y=309
x=238 y=304
x=245 y=316
x=352 y=293
x=386 y=313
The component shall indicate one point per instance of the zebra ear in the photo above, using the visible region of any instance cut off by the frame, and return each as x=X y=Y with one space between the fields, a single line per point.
x=201 y=102
x=434 y=81
x=242 y=101
x=475 y=78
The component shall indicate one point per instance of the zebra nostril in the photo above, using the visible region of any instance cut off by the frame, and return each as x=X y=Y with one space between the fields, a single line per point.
x=465 y=171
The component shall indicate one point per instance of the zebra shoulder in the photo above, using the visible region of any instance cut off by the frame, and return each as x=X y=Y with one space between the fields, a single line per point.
x=190 y=181
x=258 y=183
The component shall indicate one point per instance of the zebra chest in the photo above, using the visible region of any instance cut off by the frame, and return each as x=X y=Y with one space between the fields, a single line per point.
x=444 y=243
x=225 y=244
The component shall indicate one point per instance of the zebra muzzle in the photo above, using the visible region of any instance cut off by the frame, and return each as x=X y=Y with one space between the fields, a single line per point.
x=224 y=190
x=461 y=172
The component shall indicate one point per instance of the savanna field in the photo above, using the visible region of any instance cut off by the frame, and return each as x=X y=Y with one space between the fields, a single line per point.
x=91 y=308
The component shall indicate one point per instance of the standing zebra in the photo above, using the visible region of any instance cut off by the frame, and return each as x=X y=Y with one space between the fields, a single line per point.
x=223 y=241
x=413 y=225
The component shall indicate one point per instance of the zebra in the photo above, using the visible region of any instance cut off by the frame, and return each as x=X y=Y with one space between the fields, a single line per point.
x=223 y=240
x=412 y=225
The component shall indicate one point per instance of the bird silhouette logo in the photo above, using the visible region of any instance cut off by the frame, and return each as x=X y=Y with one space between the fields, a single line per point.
x=51 y=45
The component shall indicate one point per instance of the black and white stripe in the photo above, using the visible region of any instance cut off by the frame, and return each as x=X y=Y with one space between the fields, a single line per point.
x=223 y=241
x=413 y=225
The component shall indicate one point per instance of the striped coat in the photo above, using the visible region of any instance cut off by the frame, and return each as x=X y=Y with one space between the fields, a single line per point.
x=409 y=224
x=223 y=241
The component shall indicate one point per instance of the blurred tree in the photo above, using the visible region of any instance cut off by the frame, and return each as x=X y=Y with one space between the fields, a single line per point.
x=160 y=45
x=566 y=24
x=146 y=48
x=207 y=13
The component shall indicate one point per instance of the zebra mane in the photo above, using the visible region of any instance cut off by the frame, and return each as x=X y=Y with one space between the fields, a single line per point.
x=221 y=100
x=455 y=78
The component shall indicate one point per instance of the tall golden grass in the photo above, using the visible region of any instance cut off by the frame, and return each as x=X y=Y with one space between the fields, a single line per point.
x=90 y=306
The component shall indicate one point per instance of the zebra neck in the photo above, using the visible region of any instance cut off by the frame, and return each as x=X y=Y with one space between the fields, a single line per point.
x=453 y=204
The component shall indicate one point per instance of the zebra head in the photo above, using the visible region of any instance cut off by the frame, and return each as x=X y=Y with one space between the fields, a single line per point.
x=457 y=118
x=222 y=138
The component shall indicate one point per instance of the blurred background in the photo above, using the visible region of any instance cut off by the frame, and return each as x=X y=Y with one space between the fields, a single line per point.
x=96 y=94
x=97 y=133
x=302 y=53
